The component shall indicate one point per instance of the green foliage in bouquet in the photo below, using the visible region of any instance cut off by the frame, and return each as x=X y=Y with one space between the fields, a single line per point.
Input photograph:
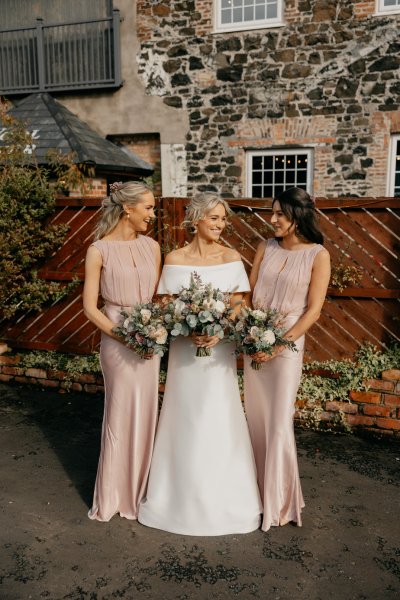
x=198 y=309
x=143 y=329
x=256 y=330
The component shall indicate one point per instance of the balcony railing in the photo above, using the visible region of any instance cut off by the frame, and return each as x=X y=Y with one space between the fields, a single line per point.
x=61 y=56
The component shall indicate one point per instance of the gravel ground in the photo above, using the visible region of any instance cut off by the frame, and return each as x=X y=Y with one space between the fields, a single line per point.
x=348 y=547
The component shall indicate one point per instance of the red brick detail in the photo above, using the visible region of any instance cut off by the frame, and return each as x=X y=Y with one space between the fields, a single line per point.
x=5 y=378
x=370 y=397
x=345 y=407
x=391 y=399
x=12 y=370
x=39 y=373
x=86 y=378
x=49 y=383
x=9 y=360
x=388 y=423
x=380 y=411
x=391 y=374
x=379 y=384
x=360 y=420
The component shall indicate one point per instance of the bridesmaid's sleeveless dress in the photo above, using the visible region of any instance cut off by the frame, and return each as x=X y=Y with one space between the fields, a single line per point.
x=128 y=276
x=270 y=393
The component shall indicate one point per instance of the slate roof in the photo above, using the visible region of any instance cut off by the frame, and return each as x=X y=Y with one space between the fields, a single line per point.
x=59 y=129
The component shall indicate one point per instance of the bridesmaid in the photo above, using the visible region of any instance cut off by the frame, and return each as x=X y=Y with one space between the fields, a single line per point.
x=291 y=274
x=125 y=266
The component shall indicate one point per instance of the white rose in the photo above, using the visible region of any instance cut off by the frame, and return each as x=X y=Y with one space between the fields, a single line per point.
x=178 y=306
x=268 y=337
x=259 y=314
x=219 y=306
x=146 y=315
x=161 y=335
x=255 y=332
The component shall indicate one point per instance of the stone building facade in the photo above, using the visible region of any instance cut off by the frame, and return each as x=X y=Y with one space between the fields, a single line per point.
x=322 y=85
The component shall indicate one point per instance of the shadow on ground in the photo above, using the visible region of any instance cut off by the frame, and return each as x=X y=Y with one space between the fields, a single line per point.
x=348 y=547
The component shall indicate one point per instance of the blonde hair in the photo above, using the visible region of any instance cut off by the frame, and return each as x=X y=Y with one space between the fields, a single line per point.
x=128 y=193
x=199 y=206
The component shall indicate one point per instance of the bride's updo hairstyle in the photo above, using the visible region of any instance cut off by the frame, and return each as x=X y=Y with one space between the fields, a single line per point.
x=121 y=194
x=199 y=207
x=298 y=206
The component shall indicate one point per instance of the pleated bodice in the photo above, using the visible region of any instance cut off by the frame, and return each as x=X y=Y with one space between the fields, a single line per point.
x=284 y=278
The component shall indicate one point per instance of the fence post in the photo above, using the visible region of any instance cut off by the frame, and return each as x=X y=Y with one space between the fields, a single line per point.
x=117 y=47
x=40 y=54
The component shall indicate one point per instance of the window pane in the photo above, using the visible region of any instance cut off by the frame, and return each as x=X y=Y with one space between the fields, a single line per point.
x=301 y=176
x=279 y=176
x=249 y=2
x=272 y=11
x=268 y=191
x=257 y=191
x=301 y=161
x=257 y=162
x=268 y=177
x=268 y=161
x=257 y=177
x=226 y=16
x=278 y=190
x=249 y=13
x=290 y=176
x=226 y=3
x=237 y=15
x=390 y=2
x=260 y=12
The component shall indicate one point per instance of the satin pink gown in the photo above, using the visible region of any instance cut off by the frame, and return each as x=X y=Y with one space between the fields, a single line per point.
x=270 y=393
x=128 y=276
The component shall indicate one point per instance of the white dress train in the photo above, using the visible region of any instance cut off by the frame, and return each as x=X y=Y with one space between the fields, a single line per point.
x=202 y=476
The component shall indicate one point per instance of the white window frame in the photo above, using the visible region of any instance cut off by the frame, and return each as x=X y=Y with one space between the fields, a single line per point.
x=381 y=9
x=392 y=163
x=246 y=26
x=279 y=152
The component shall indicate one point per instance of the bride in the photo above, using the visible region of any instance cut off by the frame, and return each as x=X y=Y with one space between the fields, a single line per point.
x=202 y=476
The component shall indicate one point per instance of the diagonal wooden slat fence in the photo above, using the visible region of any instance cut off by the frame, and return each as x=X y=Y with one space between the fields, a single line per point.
x=361 y=232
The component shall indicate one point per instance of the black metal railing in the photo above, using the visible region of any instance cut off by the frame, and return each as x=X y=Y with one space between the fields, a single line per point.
x=61 y=56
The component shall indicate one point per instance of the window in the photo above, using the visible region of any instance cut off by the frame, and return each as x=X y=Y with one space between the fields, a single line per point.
x=387 y=6
x=394 y=167
x=235 y=15
x=270 y=172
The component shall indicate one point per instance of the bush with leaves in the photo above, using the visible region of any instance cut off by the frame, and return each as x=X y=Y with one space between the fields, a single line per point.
x=27 y=200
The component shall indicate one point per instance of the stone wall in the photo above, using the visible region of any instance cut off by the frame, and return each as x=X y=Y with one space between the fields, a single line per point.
x=327 y=80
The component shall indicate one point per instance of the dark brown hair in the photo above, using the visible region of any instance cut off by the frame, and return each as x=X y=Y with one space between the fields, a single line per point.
x=298 y=206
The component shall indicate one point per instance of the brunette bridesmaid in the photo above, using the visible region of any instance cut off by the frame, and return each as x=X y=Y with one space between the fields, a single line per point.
x=291 y=274
x=124 y=266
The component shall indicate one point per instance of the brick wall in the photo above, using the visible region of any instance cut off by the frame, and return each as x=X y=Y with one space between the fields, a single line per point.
x=376 y=411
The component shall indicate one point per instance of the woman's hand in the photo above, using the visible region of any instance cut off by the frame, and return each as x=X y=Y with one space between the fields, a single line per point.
x=262 y=357
x=205 y=341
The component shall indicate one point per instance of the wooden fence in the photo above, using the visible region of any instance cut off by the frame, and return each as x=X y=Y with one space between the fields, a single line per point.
x=363 y=232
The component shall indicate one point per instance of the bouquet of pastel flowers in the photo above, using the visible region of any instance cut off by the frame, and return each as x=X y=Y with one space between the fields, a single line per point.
x=256 y=330
x=143 y=329
x=198 y=309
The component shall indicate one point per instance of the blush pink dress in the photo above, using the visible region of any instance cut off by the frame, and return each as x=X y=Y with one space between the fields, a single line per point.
x=270 y=393
x=129 y=276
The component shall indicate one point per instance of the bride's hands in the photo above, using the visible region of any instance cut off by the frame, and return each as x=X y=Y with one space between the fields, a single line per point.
x=205 y=341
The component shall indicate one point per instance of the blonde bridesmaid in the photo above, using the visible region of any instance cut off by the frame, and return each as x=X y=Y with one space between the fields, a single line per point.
x=291 y=274
x=124 y=266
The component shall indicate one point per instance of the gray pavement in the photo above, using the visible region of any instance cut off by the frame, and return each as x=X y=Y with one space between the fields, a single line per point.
x=348 y=547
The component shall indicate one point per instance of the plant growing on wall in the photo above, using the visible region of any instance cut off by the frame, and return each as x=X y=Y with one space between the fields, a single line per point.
x=27 y=200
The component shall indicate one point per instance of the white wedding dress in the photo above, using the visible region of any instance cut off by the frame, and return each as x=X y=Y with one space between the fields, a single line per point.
x=202 y=477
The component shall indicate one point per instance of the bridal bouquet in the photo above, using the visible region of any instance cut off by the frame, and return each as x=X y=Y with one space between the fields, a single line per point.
x=198 y=309
x=143 y=329
x=257 y=330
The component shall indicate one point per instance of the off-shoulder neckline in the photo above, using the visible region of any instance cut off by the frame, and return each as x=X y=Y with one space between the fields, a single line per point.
x=233 y=262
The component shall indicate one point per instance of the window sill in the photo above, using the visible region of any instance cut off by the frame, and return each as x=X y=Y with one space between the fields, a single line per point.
x=243 y=27
x=386 y=13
